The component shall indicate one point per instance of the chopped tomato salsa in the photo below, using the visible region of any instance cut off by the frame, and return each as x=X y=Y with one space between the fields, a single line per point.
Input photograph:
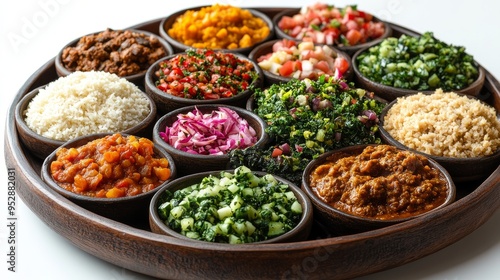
x=326 y=24
x=205 y=74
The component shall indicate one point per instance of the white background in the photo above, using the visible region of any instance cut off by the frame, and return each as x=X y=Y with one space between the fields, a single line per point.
x=33 y=31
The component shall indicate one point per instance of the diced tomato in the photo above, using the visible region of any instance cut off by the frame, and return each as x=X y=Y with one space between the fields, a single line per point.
x=323 y=66
x=283 y=44
x=176 y=73
x=289 y=43
x=296 y=31
x=312 y=17
x=226 y=94
x=353 y=37
x=348 y=17
x=163 y=86
x=333 y=31
x=290 y=67
x=287 y=68
x=352 y=24
x=376 y=29
x=298 y=65
x=209 y=52
x=276 y=152
x=341 y=64
x=214 y=79
x=211 y=96
x=245 y=76
x=190 y=89
x=176 y=86
x=286 y=22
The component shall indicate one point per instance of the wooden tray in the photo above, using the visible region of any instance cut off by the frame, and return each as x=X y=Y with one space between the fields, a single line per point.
x=321 y=257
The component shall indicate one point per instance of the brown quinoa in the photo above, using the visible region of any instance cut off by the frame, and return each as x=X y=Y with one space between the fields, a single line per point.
x=444 y=124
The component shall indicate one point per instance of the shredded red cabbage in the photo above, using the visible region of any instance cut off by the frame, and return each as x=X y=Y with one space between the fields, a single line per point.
x=214 y=133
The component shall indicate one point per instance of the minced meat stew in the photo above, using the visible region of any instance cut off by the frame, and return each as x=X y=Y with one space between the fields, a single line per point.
x=381 y=182
x=121 y=52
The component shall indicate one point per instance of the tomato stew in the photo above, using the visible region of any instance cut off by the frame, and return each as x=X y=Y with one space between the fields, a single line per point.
x=110 y=167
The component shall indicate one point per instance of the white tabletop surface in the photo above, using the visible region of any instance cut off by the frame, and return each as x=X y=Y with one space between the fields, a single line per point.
x=33 y=31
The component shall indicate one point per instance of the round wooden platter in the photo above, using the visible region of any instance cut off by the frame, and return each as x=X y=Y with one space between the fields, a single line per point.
x=320 y=257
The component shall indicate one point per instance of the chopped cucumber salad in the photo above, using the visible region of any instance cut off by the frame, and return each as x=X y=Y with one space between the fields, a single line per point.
x=419 y=63
x=234 y=208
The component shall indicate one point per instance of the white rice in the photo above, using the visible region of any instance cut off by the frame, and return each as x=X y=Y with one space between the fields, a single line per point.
x=444 y=124
x=84 y=103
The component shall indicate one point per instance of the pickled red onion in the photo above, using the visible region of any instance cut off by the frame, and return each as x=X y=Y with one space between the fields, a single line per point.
x=213 y=133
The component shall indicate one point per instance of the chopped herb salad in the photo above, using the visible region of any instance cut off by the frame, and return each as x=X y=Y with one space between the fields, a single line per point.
x=318 y=116
x=306 y=118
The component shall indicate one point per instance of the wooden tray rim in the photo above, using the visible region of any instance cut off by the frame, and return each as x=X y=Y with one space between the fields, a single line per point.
x=33 y=188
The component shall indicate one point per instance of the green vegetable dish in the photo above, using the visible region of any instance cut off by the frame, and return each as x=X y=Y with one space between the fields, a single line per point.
x=238 y=207
x=307 y=118
x=418 y=63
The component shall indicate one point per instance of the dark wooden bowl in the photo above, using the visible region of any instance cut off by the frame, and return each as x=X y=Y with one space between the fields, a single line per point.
x=299 y=233
x=190 y=163
x=167 y=23
x=131 y=209
x=350 y=50
x=135 y=78
x=341 y=223
x=42 y=146
x=39 y=145
x=460 y=169
x=320 y=257
x=271 y=78
x=390 y=93
x=166 y=102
